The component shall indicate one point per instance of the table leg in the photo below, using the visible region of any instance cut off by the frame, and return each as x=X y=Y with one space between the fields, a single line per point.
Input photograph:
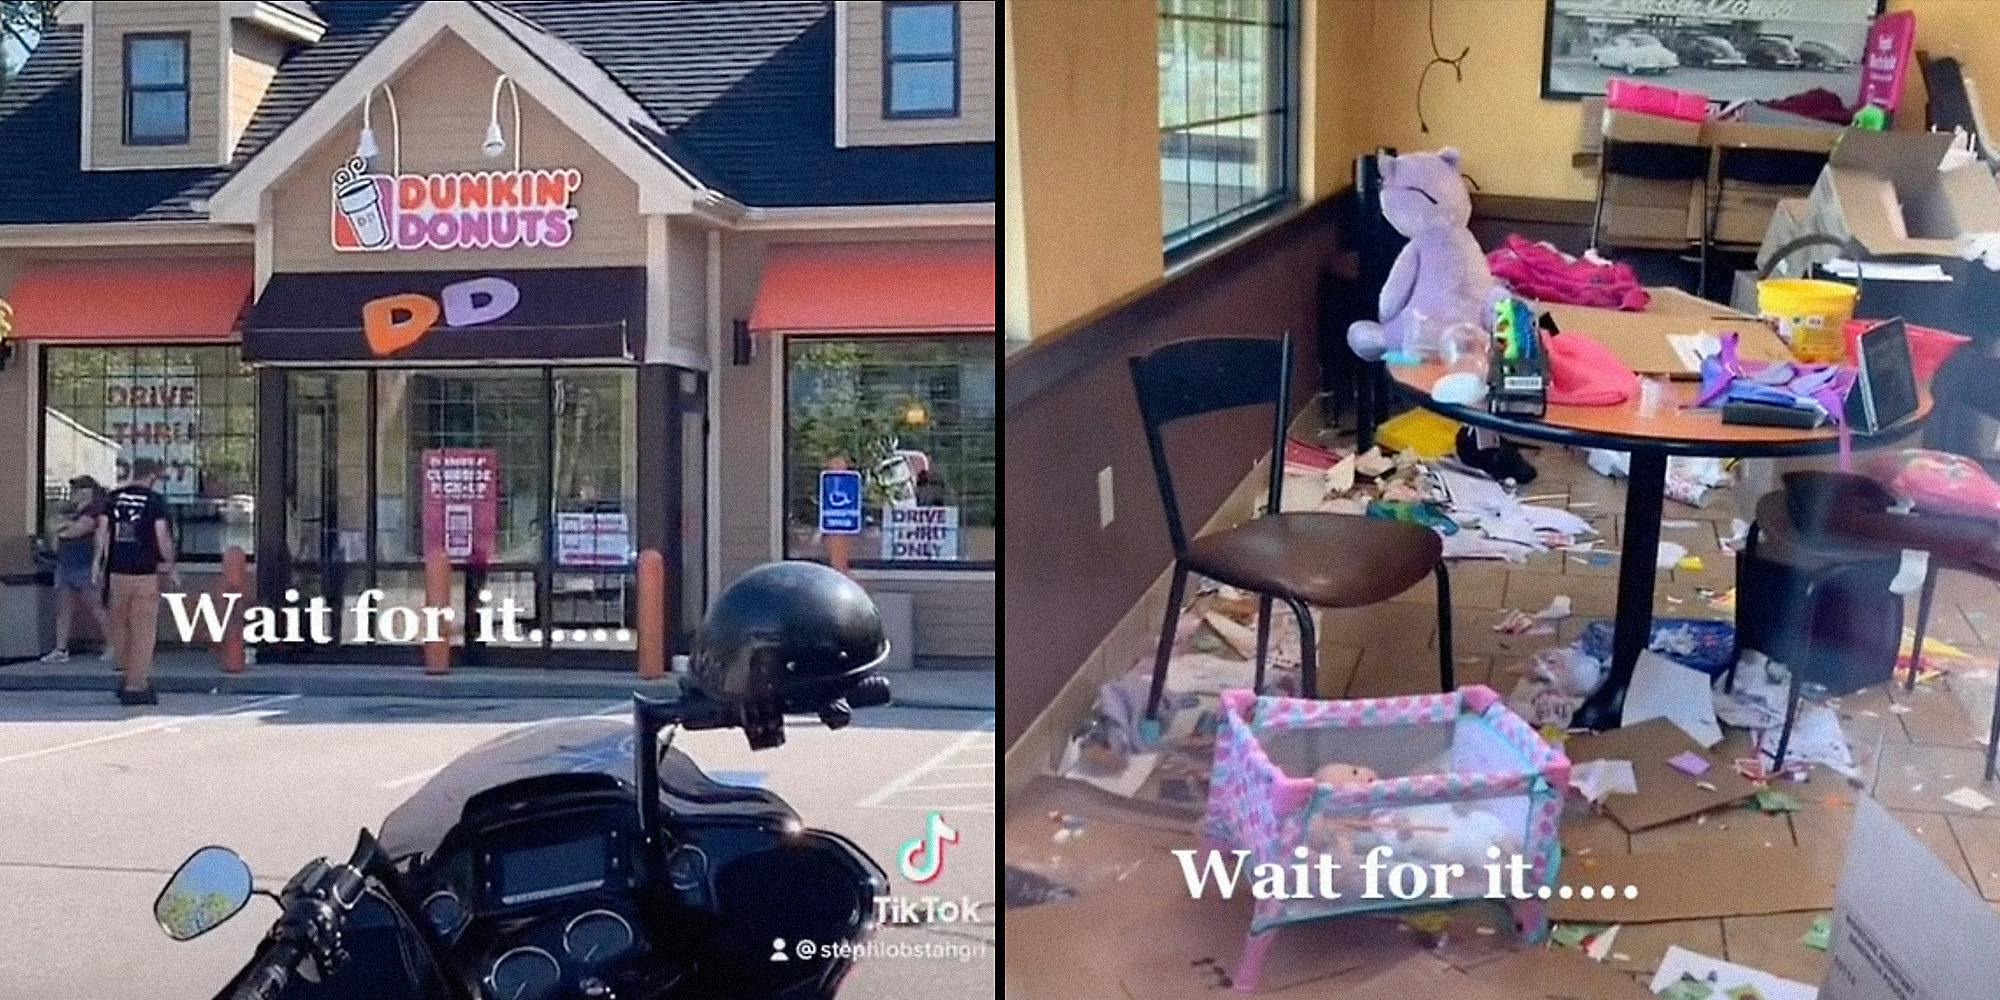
x=1645 y=493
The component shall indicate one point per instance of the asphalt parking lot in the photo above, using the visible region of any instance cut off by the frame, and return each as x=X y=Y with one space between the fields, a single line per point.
x=100 y=803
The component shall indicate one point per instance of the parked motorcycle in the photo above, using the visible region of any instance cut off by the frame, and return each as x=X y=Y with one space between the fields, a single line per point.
x=529 y=870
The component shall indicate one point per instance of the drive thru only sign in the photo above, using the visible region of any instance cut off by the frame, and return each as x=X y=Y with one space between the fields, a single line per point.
x=839 y=502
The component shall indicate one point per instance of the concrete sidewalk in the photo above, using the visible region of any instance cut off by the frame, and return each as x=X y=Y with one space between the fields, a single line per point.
x=196 y=672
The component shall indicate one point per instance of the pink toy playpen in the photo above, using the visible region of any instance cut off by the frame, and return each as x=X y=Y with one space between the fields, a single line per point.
x=1456 y=773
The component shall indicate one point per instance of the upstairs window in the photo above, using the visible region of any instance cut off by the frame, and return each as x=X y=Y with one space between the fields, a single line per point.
x=156 y=89
x=1228 y=134
x=920 y=60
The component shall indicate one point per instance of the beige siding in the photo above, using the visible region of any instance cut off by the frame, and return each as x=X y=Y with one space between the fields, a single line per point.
x=687 y=287
x=111 y=23
x=443 y=97
x=253 y=61
x=953 y=618
x=18 y=434
x=978 y=33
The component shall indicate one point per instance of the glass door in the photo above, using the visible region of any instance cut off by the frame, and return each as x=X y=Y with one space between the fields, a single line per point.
x=326 y=489
x=687 y=562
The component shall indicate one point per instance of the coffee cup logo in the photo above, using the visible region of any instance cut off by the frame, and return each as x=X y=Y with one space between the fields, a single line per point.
x=485 y=210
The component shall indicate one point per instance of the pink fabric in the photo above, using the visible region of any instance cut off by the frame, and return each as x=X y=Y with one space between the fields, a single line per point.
x=1583 y=372
x=1540 y=271
x=1939 y=482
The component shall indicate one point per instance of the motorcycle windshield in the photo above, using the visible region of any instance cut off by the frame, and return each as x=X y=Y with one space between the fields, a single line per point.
x=563 y=746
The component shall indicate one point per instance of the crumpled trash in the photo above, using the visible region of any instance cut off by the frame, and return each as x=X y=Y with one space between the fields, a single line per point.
x=1597 y=780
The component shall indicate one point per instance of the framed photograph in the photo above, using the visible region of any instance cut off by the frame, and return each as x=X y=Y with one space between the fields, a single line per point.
x=1731 y=50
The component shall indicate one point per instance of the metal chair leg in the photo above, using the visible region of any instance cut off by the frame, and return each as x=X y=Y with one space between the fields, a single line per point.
x=1798 y=681
x=1923 y=619
x=1175 y=592
x=1263 y=641
x=1748 y=556
x=1308 y=649
x=1445 y=661
x=1993 y=735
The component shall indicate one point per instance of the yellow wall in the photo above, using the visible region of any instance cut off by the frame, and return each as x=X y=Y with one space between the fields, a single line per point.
x=1086 y=91
x=1082 y=163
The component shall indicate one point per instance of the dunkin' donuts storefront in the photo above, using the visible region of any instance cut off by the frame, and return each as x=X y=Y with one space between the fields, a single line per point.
x=454 y=278
x=492 y=412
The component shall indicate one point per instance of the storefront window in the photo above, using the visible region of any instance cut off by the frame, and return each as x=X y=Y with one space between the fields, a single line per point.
x=915 y=415
x=192 y=408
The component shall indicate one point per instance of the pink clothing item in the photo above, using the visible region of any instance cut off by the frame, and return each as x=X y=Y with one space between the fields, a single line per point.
x=1583 y=372
x=1541 y=272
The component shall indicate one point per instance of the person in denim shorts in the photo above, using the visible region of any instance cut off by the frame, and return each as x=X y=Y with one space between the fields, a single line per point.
x=76 y=560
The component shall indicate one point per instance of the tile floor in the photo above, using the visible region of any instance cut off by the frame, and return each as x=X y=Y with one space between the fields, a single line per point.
x=1913 y=747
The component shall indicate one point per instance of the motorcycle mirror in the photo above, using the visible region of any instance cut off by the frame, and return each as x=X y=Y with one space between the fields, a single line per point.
x=208 y=888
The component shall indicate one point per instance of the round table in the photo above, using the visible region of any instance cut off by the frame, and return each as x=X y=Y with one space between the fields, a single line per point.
x=1677 y=429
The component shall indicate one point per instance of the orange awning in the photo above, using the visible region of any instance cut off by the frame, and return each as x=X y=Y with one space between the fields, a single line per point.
x=120 y=301
x=860 y=288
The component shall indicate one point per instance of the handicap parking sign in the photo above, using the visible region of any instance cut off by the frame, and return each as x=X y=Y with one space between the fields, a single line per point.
x=839 y=502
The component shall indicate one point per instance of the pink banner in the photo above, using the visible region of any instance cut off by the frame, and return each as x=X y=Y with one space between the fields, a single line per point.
x=1887 y=58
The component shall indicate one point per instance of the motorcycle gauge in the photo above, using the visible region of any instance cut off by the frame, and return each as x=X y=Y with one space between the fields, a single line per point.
x=444 y=911
x=524 y=973
x=597 y=936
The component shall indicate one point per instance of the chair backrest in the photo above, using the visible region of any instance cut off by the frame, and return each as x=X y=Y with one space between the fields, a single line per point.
x=1777 y=167
x=1655 y=161
x=1189 y=378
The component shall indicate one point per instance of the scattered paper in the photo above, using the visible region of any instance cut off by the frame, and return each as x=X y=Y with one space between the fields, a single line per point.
x=1691 y=348
x=1841 y=267
x=1689 y=763
x=1670 y=554
x=1597 y=780
x=1816 y=739
x=1371 y=463
x=1969 y=799
x=1663 y=689
x=1599 y=947
x=1340 y=478
x=1723 y=980
x=1677 y=522
x=1126 y=783
x=1816 y=936
x=1302 y=493
x=1556 y=519
x=1772 y=801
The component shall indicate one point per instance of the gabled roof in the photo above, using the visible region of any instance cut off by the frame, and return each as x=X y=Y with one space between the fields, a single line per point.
x=739 y=93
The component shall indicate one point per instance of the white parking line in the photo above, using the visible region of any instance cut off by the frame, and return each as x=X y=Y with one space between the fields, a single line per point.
x=151 y=727
x=972 y=740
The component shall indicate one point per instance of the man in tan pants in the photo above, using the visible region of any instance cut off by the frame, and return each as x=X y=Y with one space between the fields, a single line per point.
x=133 y=546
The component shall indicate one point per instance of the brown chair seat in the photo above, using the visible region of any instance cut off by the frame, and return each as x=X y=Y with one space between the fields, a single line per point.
x=1330 y=560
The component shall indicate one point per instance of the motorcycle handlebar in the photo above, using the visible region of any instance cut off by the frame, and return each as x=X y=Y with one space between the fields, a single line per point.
x=268 y=981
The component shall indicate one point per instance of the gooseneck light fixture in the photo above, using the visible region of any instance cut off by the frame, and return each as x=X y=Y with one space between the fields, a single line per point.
x=368 y=149
x=495 y=143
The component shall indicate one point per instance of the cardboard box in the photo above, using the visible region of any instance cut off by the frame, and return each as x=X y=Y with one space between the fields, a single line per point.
x=1884 y=190
x=1744 y=210
x=1627 y=126
x=1643 y=212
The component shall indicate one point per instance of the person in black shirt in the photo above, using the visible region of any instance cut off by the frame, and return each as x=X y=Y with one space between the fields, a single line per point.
x=135 y=544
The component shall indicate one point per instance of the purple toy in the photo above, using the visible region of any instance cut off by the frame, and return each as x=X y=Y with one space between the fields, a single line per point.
x=1440 y=277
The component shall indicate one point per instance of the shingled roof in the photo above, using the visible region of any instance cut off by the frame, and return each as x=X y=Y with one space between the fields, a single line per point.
x=742 y=93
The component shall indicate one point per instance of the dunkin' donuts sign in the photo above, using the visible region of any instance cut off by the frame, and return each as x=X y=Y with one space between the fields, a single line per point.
x=484 y=210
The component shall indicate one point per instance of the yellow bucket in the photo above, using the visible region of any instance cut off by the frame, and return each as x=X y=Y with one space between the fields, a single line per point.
x=1810 y=315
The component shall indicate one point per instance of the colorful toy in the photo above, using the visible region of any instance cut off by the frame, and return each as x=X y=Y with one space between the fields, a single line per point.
x=1455 y=774
x=1939 y=482
x=1440 y=276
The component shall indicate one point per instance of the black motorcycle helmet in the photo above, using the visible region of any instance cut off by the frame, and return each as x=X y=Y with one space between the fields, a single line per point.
x=787 y=637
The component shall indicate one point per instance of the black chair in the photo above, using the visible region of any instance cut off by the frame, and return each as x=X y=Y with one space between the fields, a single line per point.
x=1305 y=559
x=1654 y=161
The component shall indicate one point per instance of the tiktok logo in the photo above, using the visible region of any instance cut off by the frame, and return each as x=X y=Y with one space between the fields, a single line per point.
x=922 y=859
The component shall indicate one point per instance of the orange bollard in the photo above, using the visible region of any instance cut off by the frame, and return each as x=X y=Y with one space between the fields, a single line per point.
x=437 y=594
x=235 y=582
x=652 y=615
x=839 y=548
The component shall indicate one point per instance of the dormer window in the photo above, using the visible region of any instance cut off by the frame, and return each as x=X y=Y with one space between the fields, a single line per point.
x=920 y=58
x=156 y=89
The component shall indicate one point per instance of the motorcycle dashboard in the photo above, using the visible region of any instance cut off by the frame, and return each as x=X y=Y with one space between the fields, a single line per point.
x=548 y=857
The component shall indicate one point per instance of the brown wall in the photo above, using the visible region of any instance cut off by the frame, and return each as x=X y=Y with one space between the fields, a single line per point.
x=1070 y=412
x=954 y=618
x=443 y=97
